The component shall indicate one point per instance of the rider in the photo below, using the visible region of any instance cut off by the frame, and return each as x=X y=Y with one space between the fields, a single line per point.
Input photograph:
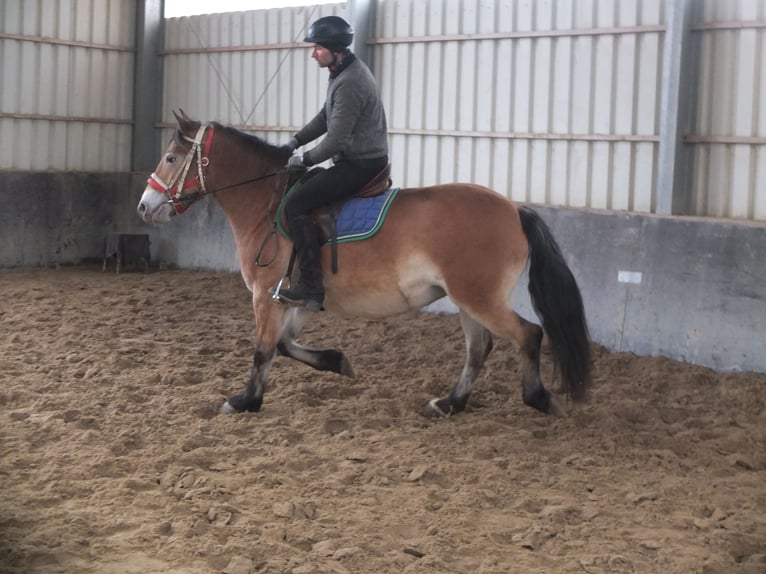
x=356 y=139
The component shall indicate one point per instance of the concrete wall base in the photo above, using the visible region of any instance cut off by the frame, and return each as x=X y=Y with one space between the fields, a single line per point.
x=691 y=289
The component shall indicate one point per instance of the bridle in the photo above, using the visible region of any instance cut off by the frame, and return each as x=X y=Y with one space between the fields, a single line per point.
x=200 y=149
x=199 y=152
x=178 y=181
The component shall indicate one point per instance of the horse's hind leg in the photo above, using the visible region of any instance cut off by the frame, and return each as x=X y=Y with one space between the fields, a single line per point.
x=503 y=322
x=478 y=345
x=528 y=337
x=534 y=393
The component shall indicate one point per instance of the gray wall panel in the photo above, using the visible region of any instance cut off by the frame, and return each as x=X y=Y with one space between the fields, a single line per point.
x=67 y=78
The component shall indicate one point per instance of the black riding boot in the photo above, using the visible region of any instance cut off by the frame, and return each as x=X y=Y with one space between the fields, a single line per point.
x=309 y=291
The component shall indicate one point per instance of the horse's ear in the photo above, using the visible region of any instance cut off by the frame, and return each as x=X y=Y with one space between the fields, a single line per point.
x=186 y=124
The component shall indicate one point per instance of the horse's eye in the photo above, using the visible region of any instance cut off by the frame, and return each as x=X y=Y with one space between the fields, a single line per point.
x=170 y=158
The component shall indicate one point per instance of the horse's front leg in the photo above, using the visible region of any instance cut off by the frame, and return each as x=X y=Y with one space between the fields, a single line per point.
x=269 y=319
x=251 y=398
x=320 y=359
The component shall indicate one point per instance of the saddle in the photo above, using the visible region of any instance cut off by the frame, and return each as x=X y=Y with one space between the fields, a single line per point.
x=326 y=218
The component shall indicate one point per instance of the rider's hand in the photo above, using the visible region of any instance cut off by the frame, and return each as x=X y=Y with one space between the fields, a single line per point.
x=295 y=165
x=290 y=146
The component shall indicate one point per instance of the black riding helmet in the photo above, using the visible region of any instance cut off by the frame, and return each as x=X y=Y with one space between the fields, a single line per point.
x=331 y=32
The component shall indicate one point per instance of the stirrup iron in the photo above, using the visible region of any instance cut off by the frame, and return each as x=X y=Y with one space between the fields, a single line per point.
x=275 y=290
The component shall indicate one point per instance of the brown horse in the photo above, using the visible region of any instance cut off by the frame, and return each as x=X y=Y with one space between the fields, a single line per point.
x=459 y=240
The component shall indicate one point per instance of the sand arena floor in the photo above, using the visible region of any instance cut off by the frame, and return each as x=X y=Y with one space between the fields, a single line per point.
x=115 y=461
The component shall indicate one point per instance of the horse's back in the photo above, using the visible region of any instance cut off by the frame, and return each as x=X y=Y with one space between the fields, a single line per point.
x=460 y=217
x=456 y=193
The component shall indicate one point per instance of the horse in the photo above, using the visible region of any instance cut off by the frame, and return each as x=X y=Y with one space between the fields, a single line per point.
x=459 y=240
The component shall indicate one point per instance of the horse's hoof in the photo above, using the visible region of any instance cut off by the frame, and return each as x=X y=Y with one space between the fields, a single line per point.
x=227 y=409
x=433 y=410
x=241 y=403
x=345 y=368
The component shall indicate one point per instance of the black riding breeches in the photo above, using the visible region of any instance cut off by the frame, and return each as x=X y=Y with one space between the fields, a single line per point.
x=334 y=184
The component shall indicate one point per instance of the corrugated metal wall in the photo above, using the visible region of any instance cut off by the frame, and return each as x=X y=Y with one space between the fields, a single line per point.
x=557 y=102
x=250 y=70
x=552 y=102
x=547 y=101
x=729 y=138
x=67 y=77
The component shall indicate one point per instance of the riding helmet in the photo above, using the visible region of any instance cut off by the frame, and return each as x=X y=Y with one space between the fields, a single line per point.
x=331 y=32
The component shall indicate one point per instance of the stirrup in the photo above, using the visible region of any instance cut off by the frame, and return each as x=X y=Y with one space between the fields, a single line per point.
x=275 y=290
x=310 y=304
x=303 y=296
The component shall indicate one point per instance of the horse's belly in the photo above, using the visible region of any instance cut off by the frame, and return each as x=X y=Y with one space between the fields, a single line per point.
x=414 y=284
x=379 y=304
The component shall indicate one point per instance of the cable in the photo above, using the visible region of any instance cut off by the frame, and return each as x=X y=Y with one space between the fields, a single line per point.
x=222 y=81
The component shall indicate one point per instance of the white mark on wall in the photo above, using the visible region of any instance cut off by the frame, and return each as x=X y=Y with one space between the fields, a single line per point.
x=633 y=277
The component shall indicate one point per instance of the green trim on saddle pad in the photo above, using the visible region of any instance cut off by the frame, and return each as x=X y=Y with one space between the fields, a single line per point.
x=382 y=212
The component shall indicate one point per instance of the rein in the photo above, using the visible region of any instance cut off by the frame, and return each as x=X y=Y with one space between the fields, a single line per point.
x=192 y=197
x=202 y=157
x=182 y=202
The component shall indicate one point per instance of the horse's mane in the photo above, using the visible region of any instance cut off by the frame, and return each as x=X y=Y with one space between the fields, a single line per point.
x=259 y=144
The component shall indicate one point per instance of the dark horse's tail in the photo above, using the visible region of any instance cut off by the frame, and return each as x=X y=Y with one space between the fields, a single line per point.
x=557 y=301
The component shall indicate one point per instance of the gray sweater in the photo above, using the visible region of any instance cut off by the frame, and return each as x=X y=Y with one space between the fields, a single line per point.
x=352 y=117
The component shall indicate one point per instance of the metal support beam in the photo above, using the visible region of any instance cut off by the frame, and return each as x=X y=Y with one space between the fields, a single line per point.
x=678 y=71
x=361 y=15
x=147 y=84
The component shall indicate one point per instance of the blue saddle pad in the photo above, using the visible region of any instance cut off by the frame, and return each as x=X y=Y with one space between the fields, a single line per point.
x=358 y=218
x=361 y=217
